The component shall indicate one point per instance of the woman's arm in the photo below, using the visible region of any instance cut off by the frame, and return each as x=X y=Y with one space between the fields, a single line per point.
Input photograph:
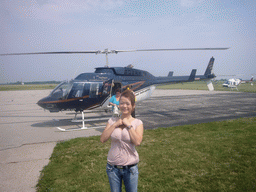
x=108 y=130
x=110 y=103
x=112 y=100
x=136 y=135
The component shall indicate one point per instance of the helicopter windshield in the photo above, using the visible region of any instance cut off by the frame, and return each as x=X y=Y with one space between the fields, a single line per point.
x=80 y=89
x=77 y=90
x=72 y=89
x=62 y=90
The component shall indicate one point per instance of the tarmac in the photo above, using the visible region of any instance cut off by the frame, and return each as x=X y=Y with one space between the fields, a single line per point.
x=29 y=134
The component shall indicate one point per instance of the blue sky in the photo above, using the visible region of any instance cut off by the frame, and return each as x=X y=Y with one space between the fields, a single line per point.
x=77 y=25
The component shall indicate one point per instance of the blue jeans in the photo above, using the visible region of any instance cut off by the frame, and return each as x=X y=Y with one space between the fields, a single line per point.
x=129 y=175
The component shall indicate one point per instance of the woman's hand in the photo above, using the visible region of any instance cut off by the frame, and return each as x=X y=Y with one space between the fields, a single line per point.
x=126 y=122
x=109 y=129
x=118 y=123
x=135 y=135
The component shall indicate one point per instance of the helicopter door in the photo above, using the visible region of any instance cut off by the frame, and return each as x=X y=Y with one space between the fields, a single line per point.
x=116 y=86
x=106 y=92
x=107 y=88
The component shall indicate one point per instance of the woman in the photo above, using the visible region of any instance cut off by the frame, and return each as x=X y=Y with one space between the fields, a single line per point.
x=125 y=133
x=114 y=100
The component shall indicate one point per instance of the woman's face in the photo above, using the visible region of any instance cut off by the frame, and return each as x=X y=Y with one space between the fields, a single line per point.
x=118 y=94
x=125 y=106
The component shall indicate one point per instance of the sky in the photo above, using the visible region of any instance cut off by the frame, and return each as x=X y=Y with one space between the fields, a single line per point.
x=82 y=25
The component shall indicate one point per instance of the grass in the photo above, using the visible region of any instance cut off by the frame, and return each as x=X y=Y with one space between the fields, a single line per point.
x=216 y=156
x=27 y=87
x=201 y=85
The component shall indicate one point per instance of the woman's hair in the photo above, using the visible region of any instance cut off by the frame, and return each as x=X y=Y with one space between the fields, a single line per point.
x=118 y=90
x=129 y=95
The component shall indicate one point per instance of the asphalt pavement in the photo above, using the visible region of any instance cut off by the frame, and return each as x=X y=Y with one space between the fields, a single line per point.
x=167 y=111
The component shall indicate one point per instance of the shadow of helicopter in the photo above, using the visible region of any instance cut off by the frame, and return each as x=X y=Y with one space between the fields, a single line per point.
x=71 y=124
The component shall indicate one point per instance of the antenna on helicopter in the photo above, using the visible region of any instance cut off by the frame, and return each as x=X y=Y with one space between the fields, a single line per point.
x=130 y=66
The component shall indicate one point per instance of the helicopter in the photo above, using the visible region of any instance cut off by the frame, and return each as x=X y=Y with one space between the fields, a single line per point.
x=232 y=83
x=235 y=82
x=89 y=91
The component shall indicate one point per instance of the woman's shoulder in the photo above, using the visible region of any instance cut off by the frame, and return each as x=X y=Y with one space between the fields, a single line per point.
x=137 y=121
x=112 y=97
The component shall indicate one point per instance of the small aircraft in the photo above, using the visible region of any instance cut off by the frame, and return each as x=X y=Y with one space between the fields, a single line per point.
x=248 y=81
x=90 y=91
x=232 y=83
x=235 y=82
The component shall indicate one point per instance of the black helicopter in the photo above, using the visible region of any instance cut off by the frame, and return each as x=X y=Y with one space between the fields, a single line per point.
x=93 y=90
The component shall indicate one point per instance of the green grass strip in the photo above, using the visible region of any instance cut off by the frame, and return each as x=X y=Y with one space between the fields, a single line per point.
x=201 y=85
x=216 y=156
x=27 y=87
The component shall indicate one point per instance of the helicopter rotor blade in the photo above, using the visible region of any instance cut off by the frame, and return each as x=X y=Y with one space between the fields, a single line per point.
x=181 y=49
x=106 y=51
x=52 y=53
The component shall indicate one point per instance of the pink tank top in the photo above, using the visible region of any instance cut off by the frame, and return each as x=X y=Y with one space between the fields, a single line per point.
x=122 y=151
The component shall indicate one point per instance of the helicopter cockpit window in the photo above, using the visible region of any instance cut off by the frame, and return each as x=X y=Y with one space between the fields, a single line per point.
x=95 y=90
x=77 y=90
x=104 y=70
x=86 y=89
x=62 y=90
x=83 y=89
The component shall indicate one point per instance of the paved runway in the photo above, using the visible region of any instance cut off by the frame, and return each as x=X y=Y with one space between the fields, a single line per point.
x=169 y=111
x=29 y=134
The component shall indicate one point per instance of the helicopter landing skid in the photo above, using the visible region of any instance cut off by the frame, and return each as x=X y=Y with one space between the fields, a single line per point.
x=79 y=129
x=83 y=120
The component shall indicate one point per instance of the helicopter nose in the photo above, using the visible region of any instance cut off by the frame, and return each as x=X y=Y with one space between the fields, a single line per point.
x=44 y=103
x=41 y=103
x=49 y=106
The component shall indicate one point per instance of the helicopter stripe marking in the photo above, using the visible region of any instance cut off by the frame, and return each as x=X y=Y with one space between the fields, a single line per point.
x=67 y=100
x=140 y=83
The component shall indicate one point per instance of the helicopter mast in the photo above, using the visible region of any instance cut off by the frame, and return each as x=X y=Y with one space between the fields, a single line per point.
x=106 y=51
